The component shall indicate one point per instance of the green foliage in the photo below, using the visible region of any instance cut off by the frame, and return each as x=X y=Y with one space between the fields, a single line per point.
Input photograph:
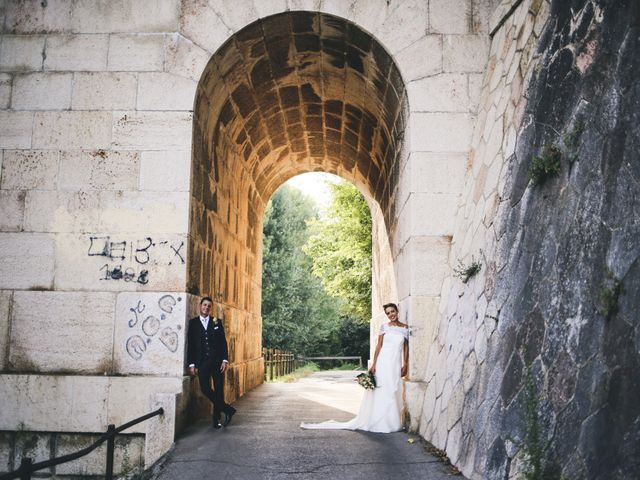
x=546 y=165
x=466 y=273
x=609 y=296
x=298 y=314
x=532 y=445
x=340 y=246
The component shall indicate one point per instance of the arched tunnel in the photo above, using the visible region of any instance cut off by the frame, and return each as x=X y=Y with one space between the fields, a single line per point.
x=291 y=93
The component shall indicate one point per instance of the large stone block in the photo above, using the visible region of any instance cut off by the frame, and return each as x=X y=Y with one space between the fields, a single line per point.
x=121 y=262
x=144 y=16
x=5 y=90
x=139 y=53
x=185 y=58
x=128 y=455
x=165 y=171
x=54 y=211
x=441 y=132
x=41 y=91
x=144 y=212
x=29 y=170
x=76 y=52
x=131 y=397
x=165 y=91
x=21 y=52
x=150 y=334
x=6 y=451
x=202 y=25
x=104 y=91
x=33 y=445
x=34 y=16
x=403 y=26
x=429 y=264
x=439 y=93
x=99 y=170
x=15 y=129
x=465 y=53
x=11 y=210
x=26 y=261
x=54 y=403
x=421 y=59
x=5 y=308
x=437 y=172
x=87 y=130
x=432 y=213
x=75 y=334
x=152 y=130
x=449 y=16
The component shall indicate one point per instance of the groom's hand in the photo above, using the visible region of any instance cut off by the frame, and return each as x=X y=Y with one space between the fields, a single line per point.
x=193 y=371
x=403 y=371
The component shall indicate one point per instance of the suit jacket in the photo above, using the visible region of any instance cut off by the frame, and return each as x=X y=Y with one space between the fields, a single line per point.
x=217 y=340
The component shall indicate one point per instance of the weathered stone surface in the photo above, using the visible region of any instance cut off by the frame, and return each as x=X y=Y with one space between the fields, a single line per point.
x=76 y=52
x=49 y=403
x=404 y=26
x=5 y=90
x=71 y=130
x=165 y=91
x=120 y=262
x=30 y=170
x=202 y=25
x=21 y=52
x=98 y=170
x=185 y=58
x=93 y=16
x=32 y=445
x=74 y=321
x=449 y=16
x=441 y=132
x=422 y=58
x=152 y=130
x=439 y=93
x=41 y=91
x=54 y=211
x=104 y=91
x=128 y=455
x=141 y=53
x=6 y=447
x=15 y=129
x=150 y=333
x=31 y=16
x=165 y=171
x=11 y=210
x=464 y=53
x=5 y=306
x=26 y=261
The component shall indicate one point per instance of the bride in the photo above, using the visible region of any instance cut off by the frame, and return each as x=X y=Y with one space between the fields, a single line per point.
x=380 y=407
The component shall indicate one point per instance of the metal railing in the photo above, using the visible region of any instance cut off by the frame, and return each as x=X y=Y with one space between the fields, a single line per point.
x=27 y=467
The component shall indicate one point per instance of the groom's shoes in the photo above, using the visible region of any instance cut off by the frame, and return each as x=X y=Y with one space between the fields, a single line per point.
x=216 y=423
x=228 y=416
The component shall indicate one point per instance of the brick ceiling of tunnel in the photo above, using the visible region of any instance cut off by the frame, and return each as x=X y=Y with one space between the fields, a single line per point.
x=304 y=91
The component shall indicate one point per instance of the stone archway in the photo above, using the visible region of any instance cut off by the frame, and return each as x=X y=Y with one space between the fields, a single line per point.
x=290 y=93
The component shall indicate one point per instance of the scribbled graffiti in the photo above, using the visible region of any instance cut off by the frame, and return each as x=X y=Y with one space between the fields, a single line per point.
x=149 y=318
x=139 y=253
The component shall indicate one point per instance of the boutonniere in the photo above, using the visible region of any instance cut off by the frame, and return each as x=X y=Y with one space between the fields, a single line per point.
x=215 y=321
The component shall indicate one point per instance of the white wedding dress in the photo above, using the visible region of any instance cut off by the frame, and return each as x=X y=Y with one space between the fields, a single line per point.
x=380 y=407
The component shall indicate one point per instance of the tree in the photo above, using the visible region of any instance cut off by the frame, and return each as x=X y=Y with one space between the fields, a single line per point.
x=298 y=315
x=340 y=247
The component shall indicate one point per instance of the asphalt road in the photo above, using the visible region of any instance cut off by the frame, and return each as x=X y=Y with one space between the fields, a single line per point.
x=264 y=440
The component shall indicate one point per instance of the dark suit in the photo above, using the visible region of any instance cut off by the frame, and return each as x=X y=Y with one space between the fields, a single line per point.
x=206 y=350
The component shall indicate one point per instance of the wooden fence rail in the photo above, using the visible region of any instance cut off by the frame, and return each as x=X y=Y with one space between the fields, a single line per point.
x=279 y=362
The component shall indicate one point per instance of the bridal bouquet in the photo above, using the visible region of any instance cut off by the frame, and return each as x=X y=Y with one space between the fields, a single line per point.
x=366 y=380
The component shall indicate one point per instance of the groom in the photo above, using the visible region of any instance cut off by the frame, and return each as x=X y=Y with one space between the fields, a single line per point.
x=207 y=357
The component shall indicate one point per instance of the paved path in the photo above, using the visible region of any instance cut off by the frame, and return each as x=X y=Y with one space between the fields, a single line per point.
x=264 y=441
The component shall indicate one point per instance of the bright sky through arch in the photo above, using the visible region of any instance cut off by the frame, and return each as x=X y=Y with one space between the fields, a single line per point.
x=314 y=185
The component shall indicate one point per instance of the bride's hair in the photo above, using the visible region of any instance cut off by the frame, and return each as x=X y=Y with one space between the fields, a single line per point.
x=387 y=305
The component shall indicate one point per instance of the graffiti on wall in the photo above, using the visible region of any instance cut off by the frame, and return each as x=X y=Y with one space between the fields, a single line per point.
x=129 y=260
x=150 y=322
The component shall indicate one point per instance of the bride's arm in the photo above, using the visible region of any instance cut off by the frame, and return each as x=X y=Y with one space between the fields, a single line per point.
x=375 y=355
